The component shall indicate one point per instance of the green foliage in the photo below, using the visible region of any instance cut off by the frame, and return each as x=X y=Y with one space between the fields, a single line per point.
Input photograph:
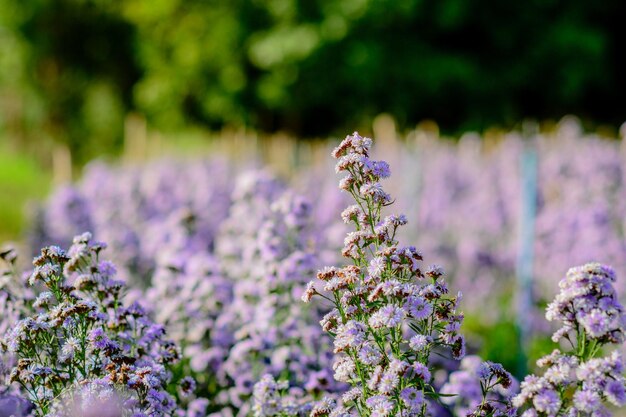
x=68 y=74
x=20 y=181
x=502 y=345
x=70 y=70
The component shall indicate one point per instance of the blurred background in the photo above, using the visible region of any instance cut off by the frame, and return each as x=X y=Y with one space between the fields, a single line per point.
x=72 y=70
x=447 y=87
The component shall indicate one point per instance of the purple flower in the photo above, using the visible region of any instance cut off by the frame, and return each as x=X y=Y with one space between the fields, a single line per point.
x=615 y=393
x=388 y=382
x=370 y=354
x=596 y=322
x=547 y=401
x=418 y=307
x=376 y=192
x=421 y=371
x=412 y=397
x=351 y=334
x=376 y=267
x=380 y=169
x=387 y=316
x=419 y=342
x=585 y=400
x=380 y=405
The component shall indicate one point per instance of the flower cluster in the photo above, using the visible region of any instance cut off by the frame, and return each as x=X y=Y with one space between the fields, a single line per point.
x=588 y=305
x=271 y=400
x=188 y=297
x=479 y=388
x=576 y=382
x=144 y=213
x=389 y=314
x=79 y=332
x=265 y=251
x=234 y=311
x=11 y=306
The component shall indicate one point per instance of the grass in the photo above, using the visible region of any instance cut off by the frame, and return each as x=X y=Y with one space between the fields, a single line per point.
x=22 y=181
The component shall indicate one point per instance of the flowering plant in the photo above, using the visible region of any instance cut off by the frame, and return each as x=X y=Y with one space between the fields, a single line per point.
x=272 y=398
x=389 y=314
x=79 y=337
x=479 y=388
x=265 y=249
x=577 y=382
x=188 y=296
x=235 y=312
x=142 y=212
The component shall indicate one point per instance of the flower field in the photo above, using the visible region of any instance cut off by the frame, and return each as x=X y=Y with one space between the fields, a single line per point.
x=417 y=277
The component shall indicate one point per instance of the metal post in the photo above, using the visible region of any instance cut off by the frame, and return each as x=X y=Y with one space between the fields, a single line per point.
x=526 y=235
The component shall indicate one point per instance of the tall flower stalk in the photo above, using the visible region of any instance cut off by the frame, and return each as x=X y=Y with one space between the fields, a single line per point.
x=390 y=313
